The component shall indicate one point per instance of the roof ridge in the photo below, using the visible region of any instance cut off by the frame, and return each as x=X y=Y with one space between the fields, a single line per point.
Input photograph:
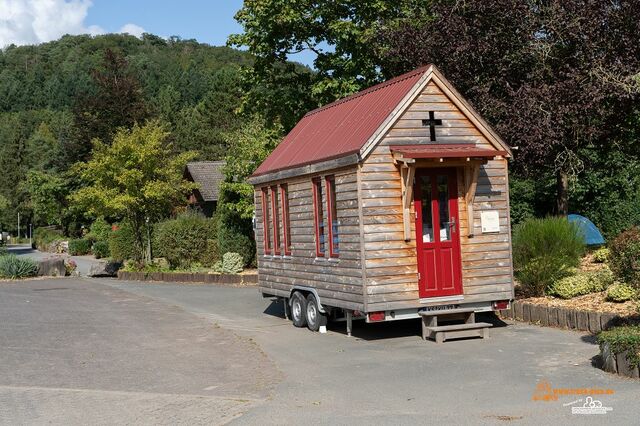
x=368 y=90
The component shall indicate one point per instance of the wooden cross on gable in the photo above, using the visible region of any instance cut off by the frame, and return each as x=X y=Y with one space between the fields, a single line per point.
x=432 y=122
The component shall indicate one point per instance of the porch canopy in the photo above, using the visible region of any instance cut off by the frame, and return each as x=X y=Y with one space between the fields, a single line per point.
x=468 y=156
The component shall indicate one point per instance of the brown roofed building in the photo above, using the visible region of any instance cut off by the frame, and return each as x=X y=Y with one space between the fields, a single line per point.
x=208 y=175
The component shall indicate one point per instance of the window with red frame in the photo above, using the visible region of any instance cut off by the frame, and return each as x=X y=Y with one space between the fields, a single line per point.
x=318 y=217
x=266 y=222
x=276 y=220
x=286 y=226
x=332 y=218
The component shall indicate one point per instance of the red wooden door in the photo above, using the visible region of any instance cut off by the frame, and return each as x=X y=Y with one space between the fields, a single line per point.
x=437 y=232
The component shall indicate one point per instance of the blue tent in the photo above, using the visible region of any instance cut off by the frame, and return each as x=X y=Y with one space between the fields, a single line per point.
x=592 y=234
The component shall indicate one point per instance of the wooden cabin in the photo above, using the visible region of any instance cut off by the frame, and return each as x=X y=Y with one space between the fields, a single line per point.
x=389 y=204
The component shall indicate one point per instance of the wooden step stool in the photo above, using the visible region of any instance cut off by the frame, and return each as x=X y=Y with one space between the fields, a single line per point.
x=470 y=328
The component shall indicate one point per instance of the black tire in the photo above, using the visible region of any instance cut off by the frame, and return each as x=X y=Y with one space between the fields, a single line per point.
x=298 y=309
x=315 y=318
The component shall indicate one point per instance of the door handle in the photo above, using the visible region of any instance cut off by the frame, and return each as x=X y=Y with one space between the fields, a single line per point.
x=452 y=223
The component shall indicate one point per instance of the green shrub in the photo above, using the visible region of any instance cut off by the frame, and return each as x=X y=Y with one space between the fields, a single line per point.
x=601 y=255
x=602 y=278
x=232 y=263
x=13 y=267
x=122 y=243
x=624 y=256
x=100 y=249
x=235 y=235
x=620 y=292
x=571 y=286
x=43 y=238
x=185 y=240
x=581 y=283
x=621 y=340
x=99 y=231
x=79 y=247
x=545 y=250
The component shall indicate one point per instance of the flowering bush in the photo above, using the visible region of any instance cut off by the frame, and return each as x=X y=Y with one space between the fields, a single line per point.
x=70 y=266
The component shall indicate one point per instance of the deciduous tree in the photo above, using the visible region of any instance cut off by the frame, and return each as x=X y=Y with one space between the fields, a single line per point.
x=136 y=177
x=556 y=78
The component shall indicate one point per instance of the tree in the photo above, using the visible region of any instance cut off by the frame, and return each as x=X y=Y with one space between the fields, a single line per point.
x=116 y=102
x=136 y=177
x=556 y=78
x=339 y=33
x=48 y=194
x=249 y=146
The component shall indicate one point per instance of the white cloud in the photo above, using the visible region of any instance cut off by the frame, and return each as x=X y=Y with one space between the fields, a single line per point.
x=37 y=21
x=133 y=29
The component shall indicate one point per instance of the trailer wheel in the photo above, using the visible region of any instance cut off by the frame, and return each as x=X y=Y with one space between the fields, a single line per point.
x=298 y=309
x=315 y=318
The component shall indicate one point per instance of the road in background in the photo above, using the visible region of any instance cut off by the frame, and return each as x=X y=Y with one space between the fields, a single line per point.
x=84 y=262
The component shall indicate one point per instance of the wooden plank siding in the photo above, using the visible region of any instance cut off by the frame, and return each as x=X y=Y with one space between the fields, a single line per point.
x=390 y=261
x=377 y=268
x=338 y=281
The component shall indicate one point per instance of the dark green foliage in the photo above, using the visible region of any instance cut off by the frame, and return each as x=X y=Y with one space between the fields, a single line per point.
x=79 y=247
x=14 y=267
x=235 y=235
x=100 y=249
x=545 y=250
x=55 y=96
x=608 y=189
x=621 y=340
x=624 y=256
x=185 y=240
x=122 y=243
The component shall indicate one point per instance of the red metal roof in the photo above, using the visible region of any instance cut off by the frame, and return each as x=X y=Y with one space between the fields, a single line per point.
x=445 y=151
x=340 y=128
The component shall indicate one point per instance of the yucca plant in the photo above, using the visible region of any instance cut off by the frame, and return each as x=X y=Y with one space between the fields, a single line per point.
x=14 y=267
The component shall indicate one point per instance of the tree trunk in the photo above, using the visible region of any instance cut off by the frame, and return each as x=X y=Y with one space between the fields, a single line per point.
x=562 y=193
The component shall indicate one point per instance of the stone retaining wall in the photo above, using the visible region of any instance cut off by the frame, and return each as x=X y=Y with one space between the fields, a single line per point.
x=189 y=277
x=617 y=363
x=552 y=316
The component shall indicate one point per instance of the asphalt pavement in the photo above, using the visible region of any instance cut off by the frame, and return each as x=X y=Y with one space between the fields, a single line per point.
x=104 y=351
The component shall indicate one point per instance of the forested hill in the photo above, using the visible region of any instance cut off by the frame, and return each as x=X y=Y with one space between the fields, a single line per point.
x=56 y=97
x=52 y=75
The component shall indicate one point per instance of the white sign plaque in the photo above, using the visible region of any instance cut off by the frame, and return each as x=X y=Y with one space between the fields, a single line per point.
x=490 y=221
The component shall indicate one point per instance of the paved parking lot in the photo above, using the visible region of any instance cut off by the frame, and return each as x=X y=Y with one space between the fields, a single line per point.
x=106 y=351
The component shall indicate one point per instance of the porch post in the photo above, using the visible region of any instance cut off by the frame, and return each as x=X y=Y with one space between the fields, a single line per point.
x=407 y=172
x=470 y=185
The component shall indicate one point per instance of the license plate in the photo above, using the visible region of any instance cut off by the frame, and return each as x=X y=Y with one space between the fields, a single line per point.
x=439 y=308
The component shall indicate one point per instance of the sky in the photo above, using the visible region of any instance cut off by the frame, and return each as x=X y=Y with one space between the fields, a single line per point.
x=37 y=21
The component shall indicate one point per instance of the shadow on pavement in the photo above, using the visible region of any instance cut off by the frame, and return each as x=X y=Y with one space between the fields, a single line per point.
x=381 y=330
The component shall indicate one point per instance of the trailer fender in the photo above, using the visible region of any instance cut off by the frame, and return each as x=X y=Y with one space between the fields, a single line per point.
x=309 y=290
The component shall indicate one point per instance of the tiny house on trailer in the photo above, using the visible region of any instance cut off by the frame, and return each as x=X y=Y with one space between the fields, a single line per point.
x=389 y=204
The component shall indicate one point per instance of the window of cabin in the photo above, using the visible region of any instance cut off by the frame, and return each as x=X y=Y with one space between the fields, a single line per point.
x=266 y=222
x=318 y=216
x=276 y=219
x=332 y=219
x=286 y=225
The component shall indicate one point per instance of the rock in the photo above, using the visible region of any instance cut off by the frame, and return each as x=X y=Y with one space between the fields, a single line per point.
x=51 y=267
x=104 y=269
